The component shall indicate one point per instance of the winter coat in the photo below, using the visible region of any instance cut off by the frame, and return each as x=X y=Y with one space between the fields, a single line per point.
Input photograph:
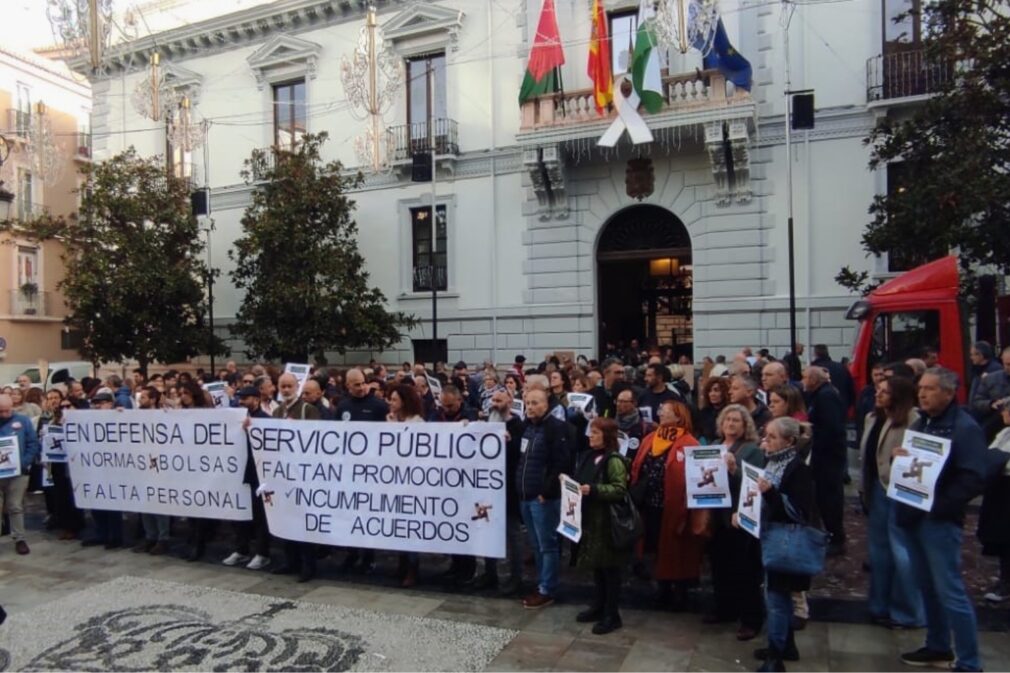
x=682 y=531
x=978 y=373
x=995 y=386
x=798 y=486
x=879 y=456
x=826 y=411
x=994 y=516
x=964 y=474
x=841 y=380
x=28 y=441
x=607 y=475
x=743 y=452
x=367 y=408
x=545 y=452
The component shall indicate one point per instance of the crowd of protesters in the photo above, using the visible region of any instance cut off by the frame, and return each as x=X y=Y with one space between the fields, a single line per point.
x=647 y=409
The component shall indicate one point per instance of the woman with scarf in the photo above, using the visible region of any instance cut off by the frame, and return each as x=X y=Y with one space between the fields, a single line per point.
x=734 y=554
x=673 y=533
x=787 y=492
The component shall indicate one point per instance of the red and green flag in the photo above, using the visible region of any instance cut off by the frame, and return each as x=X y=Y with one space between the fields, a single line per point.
x=546 y=56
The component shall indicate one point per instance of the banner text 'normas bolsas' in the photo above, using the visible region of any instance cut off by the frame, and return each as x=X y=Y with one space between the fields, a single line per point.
x=181 y=462
x=409 y=487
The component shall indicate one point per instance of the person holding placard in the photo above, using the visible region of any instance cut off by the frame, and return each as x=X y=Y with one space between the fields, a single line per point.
x=934 y=538
x=60 y=497
x=787 y=493
x=629 y=419
x=405 y=407
x=108 y=523
x=252 y=538
x=894 y=598
x=734 y=554
x=673 y=533
x=603 y=475
x=157 y=532
x=12 y=489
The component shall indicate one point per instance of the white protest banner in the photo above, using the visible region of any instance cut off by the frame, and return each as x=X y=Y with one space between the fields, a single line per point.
x=219 y=393
x=913 y=477
x=707 y=480
x=558 y=412
x=570 y=524
x=435 y=386
x=300 y=371
x=583 y=402
x=748 y=510
x=182 y=462
x=519 y=408
x=424 y=487
x=10 y=457
x=53 y=448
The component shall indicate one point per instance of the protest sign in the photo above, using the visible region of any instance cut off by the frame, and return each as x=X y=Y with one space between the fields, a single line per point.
x=582 y=402
x=748 y=510
x=182 y=463
x=436 y=487
x=10 y=457
x=913 y=477
x=219 y=393
x=571 y=509
x=707 y=481
x=301 y=372
x=53 y=449
x=519 y=408
x=47 y=475
x=646 y=413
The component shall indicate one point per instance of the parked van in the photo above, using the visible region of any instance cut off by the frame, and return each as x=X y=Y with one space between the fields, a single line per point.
x=58 y=372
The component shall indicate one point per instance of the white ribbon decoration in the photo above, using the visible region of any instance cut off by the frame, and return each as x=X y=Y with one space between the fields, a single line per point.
x=628 y=118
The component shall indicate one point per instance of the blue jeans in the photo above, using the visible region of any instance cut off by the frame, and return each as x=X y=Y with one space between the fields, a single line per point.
x=780 y=614
x=894 y=592
x=542 y=521
x=156 y=527
x=935 y=551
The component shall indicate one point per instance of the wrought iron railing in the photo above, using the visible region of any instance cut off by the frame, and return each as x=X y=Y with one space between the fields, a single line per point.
x=410 y=139
x=19 y=122
x=83 y=145
x=903 y=74
x=422 y=278
x=28 y=303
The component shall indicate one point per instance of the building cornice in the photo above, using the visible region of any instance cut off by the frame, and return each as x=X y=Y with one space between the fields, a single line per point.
x=227 y=32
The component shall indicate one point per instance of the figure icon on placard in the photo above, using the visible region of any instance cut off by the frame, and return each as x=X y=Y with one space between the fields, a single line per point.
x=708 y=476
x=5 y=457
x=264 y=492
x=748 y=503
x=915 y=469
x=572 y=504
x=154 y=462
x=481 y=512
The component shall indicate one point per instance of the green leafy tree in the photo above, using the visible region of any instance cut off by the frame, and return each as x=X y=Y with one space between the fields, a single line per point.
x=305 y=286
x=955 y=186
x=135 y=276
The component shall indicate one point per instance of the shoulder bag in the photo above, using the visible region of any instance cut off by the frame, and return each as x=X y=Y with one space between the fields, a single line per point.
x=625 y=522
x=793 y=548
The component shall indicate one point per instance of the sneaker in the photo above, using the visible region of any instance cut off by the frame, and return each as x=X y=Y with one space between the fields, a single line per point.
x=21 y=547
x=235 y=559
x=537 y=600
x=925 y=657
x=999 y=593
x=259 y=562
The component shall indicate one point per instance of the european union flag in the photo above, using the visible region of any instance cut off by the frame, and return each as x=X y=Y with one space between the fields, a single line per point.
x=727 y=60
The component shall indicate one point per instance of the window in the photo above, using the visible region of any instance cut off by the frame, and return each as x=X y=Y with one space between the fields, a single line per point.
x=24 y=110
x=426 y=96
x=289 y=113
x=420 y=219
x=903 y=335
x=623 y=28
x=425 y=351
x=907 y=30
x=25 y=208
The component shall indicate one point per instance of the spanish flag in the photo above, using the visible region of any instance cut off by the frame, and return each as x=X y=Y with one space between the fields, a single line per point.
x=599 y=60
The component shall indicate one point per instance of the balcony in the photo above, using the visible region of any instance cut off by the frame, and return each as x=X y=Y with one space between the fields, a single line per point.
x=29 y=211
x=905 y=74
x=689 y=99
x=83 y=147
x=410 y=139
x=29 y=304
x=19 y=123
x=422 y=278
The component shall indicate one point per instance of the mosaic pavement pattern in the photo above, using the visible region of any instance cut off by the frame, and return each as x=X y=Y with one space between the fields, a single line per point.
x=143 y=624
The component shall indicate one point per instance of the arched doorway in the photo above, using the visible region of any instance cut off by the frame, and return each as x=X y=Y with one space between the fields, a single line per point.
x=644 y=281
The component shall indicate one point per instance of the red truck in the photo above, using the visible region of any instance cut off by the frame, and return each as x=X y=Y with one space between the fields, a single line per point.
x=919 y=308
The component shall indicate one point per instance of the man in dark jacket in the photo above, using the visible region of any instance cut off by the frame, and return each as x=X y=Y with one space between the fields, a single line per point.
x=360 y=404
x=743 y=391
x=544 y=453
x=657 y=377
x=867 y=400
x=933 y=538
x=501 y=412
x=312 y=393
x=256 y=531
x=987 y=401
x=826 y=413
x=839 y=375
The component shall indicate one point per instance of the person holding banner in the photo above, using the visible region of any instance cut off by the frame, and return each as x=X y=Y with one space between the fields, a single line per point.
x=544 y=455
x=157 y=534
x=501 y=412
x=405 y=407
x=108 y=523
x=735 y=555
x=934 y=538
x=12 y=488
x=603 y=475
x=60 y=496
x=787 y=493
x=673 y=533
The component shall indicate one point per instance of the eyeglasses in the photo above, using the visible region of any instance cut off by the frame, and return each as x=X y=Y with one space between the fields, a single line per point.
x=248 y=382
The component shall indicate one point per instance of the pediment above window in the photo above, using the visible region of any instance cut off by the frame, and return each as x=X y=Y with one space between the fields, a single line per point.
x=424 y=27
x=283 y=58
x=183 y=80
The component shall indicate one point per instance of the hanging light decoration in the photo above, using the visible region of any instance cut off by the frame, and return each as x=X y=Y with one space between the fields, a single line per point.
x=153 y=94
x=372 y=78
x=47 y=161
x=82 y=25
x=183 y=132
x=687 y=24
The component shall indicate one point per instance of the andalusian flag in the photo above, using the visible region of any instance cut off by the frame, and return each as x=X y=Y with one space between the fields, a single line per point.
x=645 y=73
x=546 y=56
x=599 y=60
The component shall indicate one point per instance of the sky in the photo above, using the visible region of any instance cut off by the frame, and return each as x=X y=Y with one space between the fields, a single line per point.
x=29 y=26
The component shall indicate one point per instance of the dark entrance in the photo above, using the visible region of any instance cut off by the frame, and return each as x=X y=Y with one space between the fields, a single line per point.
x=644 y=281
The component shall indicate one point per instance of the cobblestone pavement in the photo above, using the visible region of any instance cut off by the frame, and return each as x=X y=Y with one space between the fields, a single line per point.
x=837 y=639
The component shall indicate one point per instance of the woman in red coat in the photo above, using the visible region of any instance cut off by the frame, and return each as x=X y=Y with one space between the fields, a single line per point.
x=673 y=533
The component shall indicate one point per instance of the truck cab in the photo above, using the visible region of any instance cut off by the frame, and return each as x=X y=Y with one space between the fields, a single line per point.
x=919 y=308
